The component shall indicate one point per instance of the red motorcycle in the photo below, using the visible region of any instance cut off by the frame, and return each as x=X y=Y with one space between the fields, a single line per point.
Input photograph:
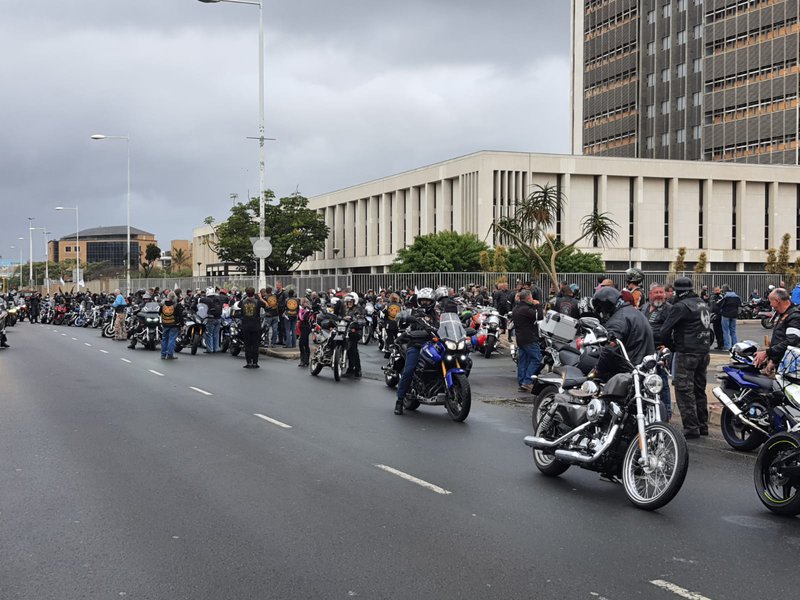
x=60 y=314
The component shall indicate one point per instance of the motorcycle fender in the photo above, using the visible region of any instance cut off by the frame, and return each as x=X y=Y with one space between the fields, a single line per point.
x=736 y=375
x=449 y=376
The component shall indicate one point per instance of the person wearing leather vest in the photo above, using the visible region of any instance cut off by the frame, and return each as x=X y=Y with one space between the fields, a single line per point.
x=688 y=329
x=786 y=332
x=656 y=310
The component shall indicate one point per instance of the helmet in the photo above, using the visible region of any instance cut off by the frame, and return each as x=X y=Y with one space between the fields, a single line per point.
x=683 y=284
x=440 y=293
x=575 y=288
x=605 y=301
x=634 y=275
x=427 y=295
x=351 y=297
x=210 y=291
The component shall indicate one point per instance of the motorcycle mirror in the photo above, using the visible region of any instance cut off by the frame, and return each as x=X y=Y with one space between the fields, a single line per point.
x=471 y=331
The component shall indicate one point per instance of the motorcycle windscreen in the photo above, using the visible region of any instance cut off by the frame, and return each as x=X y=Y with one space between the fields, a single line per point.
x=151 y=307
x=451 y=328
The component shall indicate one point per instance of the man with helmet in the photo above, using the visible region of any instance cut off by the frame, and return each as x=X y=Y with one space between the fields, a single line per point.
x=629 y=325
x=633 y=282
x=688 y=329
x=353 y=313
x=423 y=318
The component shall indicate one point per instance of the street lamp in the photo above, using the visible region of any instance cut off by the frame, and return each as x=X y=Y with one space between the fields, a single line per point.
x=46 y=261
x=30 y=251
x=77 y=240
x=100 y=136
x=262 y=276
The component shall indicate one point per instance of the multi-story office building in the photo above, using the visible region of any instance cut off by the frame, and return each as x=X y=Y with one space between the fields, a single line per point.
x=686 y=79
x=102 y=245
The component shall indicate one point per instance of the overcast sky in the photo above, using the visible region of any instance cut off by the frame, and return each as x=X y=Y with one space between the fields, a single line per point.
x=355 y=90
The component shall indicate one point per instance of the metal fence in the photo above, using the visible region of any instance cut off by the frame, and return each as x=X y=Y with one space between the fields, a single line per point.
x=742 y=283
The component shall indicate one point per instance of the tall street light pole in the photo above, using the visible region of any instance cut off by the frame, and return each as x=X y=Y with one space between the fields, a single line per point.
x=30 y=251
x=77 y=241
x=127 y=138
x=19 y=262
x=262 y=275
x=46 y=261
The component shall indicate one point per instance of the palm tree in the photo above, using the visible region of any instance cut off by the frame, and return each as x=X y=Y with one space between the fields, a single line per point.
x=179 y=259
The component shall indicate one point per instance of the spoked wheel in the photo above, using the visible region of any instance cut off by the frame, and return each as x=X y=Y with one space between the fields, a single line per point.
x=738 y=435
x=776 y=474
x=315 y=364
x=653 y=485
x=339 y=363
x=549 y=429
x=459 y=399
x=542 y=403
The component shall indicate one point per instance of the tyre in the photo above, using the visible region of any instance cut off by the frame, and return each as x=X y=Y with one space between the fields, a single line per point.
x=768 y=322
x=178 y=347
x=738 y=435
x=410 y=403
x=108 y=331
x=542 y=403
x=712 y=336
x=652 y=486
x=459 y=399
x=366 y=335
x=548 y=464
x=196 y=341
x=337 y=362
x=235 y=350
x=315 y=364
x=489 y=346
x=391 y=379
x=777 y=490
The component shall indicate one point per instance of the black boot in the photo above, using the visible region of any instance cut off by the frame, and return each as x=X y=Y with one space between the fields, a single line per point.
x=398 y=407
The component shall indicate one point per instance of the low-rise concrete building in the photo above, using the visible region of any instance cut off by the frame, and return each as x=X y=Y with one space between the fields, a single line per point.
x=732 y=212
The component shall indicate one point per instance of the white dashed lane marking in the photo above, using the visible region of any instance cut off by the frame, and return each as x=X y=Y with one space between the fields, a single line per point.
x=273 y=421
x=87 y=344
x=678 y=590
x=75 y=339
x=421 y=482
x=156 y=372
x=197 y=389
x=104 y=351
x=125 y=360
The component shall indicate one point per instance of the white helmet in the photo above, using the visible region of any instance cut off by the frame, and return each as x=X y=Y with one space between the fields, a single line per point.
x=425 y=293
x=210 y=291
x=441 y=292
x=351 y=297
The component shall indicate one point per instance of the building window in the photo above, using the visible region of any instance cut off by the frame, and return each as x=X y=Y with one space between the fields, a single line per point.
x=681 y=71
x=666 y=43
x=666 y=11
x=665 y=140
x=651 y=79
x=696 y=131
x=651 y=111
x=697 y=99
x=681 y=5
x=651 y=144
x=680 y=103
x=68 y=249
x=665 y=107
x=651 y=17
x=681 y=37
x=651 y=48
x=680 y=136
x=697 y=65
x=664 y=75
x=698 y=31
x=698 y=2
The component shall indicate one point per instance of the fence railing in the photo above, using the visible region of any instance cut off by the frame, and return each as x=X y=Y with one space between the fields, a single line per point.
x=742 y=283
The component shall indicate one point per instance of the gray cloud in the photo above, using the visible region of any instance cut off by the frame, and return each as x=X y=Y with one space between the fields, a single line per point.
x=355 y=91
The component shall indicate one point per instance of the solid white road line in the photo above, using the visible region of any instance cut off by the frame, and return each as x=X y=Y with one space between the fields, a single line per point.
x=125 y=360
x=104 y=351
x=156 y=373
x=273 y=421
x=412 y=479
x=678 y=590
x=87 y=344
x=196 y=389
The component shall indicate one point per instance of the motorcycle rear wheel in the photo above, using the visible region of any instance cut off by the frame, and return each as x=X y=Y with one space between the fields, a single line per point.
x=366 y=335
x=235 y=350
x=738 y=435
x=542 y=403
x=459 y=399
x=548 y=464
x=778 y=492
x=669 y=456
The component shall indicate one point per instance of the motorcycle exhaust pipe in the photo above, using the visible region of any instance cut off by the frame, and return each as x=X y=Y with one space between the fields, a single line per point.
x=542 y=443
x=577 y=457
x=737 y=412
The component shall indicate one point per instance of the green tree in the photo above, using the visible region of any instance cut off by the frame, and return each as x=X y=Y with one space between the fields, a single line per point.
x=500 y=260
x=443 y=251
x=679 y=266
x=151 y=254
x=530 y=229
x=782 y=262
x=771 y=265
x=295 y=232
x=701 y=264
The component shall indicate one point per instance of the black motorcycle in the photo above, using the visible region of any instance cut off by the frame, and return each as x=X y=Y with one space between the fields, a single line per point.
x=331 y=336
x=147 y=328
x=191 y=333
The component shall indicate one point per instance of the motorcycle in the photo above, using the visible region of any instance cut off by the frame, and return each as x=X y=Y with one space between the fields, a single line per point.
x=369 y=326
x=331 y=338
x=3 y=317
x=59 y=314
x=442 y=373
x=191 y=334
x=147 y=328
x=236 y=340
x=768 y=318
x=46 y=313
x=616 y=431
x=777 y=470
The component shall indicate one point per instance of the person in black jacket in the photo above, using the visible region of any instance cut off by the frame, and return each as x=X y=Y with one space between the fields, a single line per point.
x=566 y=304
x=716 y=318
x=527 y=312
x=688 y=327
x=251 y=308
x=656 y=310
x=422 y=321
x=786 y=332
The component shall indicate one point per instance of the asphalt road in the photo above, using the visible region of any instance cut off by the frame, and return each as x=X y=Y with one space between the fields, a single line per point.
x=124 y=476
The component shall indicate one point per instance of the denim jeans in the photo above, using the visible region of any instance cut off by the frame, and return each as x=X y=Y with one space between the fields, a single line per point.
x=529 y=359
x=271 y=325
x=412 y=356
x=666 y=394
x=729 y=332
x=212 y=335
x=290 y=323
x=168 y=338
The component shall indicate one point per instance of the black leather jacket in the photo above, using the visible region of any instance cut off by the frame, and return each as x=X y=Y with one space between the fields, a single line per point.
x=688 y=325
x=785 y=334
x=419 y=324
x=629 y=325
x=656 y=318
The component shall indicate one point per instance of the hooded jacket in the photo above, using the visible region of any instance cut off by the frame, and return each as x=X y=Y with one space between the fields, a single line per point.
x=629 y=325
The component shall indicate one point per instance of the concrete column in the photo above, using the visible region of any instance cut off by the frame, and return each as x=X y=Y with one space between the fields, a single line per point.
x=412 y=214
x=330 y=213
x=485 y=204
x=444 y=205
x=398 y=218
x=361 y=227
x=372 y=225
x=385 y=224
x=458 y=205
x=339 y=224
x=426 y=208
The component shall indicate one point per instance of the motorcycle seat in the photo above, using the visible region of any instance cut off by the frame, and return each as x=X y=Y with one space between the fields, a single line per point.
x=759 y=380
x=572 y=377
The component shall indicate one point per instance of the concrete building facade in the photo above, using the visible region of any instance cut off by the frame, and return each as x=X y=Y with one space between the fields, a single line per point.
x=732 y=212
x=686 y=79
x=102 y=245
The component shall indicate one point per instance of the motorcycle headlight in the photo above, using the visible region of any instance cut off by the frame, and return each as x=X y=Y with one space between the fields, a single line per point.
x=653 y=384
x=461 y=345
x=152 y=320
x=450 y=345
x=590 y=387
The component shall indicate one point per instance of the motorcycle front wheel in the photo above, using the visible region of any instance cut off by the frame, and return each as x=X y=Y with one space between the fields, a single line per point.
x=652 y=486
x=459 y=399
x=738 y=435
x=366 y=335
x=337 y=362
x=489 y=346
x=768 y=322
x=108 y=331
x=315 y=364
x=777 y=490
x=196 y=341
x=235 y=350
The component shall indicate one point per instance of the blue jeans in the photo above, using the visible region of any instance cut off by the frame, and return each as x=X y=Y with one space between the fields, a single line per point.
x=529 y=359
x=169 y=335
x=290 y=334
x=666 y=394
x=729 y=332
x=271 y=326
x=212 y=335
x=412 y=356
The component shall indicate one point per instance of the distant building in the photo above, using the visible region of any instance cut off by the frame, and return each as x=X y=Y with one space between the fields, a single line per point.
x=168 y=260
x=102 y=245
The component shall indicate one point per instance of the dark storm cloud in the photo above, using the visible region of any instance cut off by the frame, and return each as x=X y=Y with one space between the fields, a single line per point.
x=355 y=90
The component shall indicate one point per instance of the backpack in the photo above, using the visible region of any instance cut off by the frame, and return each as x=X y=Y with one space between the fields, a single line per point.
x=292 y=306
x=168 y=315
